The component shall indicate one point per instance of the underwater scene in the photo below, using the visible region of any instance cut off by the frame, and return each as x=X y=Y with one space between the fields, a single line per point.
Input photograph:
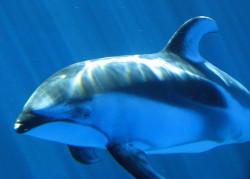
x=151 y=89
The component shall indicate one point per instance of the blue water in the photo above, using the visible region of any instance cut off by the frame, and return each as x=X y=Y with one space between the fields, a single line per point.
x=37 y=38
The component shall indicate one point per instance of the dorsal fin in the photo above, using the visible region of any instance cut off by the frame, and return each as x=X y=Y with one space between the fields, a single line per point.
x=185 y=41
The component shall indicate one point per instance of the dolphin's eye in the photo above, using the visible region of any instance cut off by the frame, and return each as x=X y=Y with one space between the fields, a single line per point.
x=87 y=112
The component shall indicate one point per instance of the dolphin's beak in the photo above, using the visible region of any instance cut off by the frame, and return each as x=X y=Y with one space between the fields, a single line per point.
x=27 y=121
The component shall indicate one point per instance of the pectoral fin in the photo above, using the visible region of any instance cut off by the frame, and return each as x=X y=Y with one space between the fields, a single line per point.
x=84 y=155
x=133 y=160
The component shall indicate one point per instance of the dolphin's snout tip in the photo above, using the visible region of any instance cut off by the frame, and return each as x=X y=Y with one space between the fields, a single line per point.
x=18 y=128
x=26 y=121
x=17 y=125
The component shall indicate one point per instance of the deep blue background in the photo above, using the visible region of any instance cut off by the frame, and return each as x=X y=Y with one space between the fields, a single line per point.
x=39 y=37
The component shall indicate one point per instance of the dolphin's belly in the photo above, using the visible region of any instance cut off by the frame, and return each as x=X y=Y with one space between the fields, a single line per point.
x=154 y=126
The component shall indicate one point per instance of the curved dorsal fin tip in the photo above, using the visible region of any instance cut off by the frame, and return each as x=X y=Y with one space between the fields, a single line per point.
x=185 y=41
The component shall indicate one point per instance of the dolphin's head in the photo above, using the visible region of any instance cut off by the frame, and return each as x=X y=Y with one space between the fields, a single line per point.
x=56 y=112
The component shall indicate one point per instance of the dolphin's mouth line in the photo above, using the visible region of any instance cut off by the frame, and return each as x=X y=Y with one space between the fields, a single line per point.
x=28 y=121
x=21 y=128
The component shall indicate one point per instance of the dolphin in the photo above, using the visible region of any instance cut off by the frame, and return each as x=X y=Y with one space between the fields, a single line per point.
x=172 y=101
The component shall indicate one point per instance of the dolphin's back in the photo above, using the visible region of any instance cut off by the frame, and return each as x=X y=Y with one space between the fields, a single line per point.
x=159 y=77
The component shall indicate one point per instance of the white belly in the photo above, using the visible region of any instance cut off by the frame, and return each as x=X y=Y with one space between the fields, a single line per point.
x=150 y=125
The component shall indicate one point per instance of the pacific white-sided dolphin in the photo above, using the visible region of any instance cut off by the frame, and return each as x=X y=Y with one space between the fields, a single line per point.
x=172 y=101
